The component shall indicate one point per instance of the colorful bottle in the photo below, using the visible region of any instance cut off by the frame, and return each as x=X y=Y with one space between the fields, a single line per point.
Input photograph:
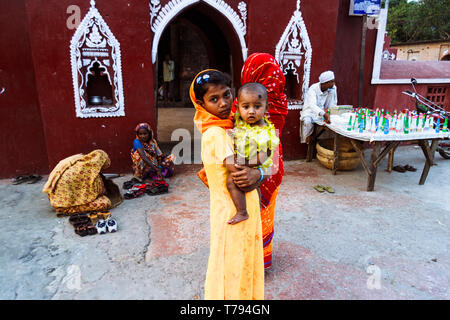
x=413 y=127
x=361 y=126
x=444 y=127
x=420 y=123
x=406 y=125
x=349 y=125
x=386 y=127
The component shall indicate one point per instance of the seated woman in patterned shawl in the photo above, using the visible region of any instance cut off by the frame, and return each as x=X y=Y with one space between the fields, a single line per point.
x=76 y=184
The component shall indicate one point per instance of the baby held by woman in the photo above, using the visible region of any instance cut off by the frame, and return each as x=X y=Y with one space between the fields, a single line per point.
x=255 y=140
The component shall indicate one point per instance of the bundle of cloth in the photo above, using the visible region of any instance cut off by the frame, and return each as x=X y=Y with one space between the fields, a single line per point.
x=76 y=185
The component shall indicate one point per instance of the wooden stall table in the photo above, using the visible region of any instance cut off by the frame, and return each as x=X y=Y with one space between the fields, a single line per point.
x=389 y=142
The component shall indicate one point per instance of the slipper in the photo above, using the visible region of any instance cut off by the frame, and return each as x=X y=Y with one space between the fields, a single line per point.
x=135 y=192
x=103 y=215
x=153 y=191
x=131 y=183
x=93 y=217
x=410 y=168
x=127 y=185
x=91 y=229
x=328 y=189
x=81 y=230
x=399 y=169
x=101 y=226
x=21 y=179
x=319 y=188
x=77 y=219
x=111 y=225
x=34 y=178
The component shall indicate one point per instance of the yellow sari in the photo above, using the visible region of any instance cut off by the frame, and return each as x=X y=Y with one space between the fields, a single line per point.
x=236 y=262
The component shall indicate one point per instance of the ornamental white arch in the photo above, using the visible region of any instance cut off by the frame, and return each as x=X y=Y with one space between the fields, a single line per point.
x=93 y=42
x=160 y=17
x=294 y=49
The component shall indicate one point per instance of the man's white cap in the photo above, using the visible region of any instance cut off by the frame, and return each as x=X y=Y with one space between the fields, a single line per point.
x=326 y=76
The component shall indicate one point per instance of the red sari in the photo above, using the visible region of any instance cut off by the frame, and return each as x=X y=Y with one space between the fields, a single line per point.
x=263 y=68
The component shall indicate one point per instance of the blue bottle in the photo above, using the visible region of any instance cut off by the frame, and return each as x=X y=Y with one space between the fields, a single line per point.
x=438 y=125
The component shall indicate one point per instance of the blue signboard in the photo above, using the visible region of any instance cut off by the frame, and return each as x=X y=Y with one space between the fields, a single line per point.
x=365 y=7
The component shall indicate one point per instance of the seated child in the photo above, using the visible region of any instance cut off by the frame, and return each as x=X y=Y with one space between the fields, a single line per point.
x=148 y=160
x=255 y=140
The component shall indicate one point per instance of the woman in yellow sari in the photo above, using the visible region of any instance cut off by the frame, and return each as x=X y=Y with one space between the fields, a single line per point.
x=236 y=263
x=75 y=184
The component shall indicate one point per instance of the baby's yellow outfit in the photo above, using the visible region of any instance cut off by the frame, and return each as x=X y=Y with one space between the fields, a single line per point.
x=249 y=140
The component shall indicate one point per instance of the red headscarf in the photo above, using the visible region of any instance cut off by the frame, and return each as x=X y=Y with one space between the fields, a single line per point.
x=264 y=69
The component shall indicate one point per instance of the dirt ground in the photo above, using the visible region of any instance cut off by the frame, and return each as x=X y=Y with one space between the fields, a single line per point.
x=393 y=243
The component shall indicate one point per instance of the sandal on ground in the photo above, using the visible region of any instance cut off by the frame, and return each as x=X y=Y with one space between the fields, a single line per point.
x=91 y=229
x=79 y=219
x=81 y=230
x=328 y=189
x=410 y=168
x=399 y=169
x=130 y=184
x=156 y=190
x=34 y=178
x=135 y=192
x=157 y=187
x=103 y=215
x=21 y=179
x=101 y=226
x=93 y=217
x=111 y=225
x=319 y=188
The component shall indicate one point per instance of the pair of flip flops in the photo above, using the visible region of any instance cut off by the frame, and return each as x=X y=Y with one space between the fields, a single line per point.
x=322 y=188
x=136 y=191
x=153 y=188
x=85 y=230
x=157 y=187
x=28 y=179
x=109 y=225
x=82 y=224
x=404 y=168
x=79 y=219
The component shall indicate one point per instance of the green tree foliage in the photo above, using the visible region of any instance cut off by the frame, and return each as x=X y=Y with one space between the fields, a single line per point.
x=418 y=20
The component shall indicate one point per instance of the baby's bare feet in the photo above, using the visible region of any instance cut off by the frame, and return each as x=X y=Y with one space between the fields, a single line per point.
x=238 y=217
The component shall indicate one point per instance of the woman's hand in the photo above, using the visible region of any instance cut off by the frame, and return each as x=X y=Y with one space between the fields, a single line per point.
x=246 y=176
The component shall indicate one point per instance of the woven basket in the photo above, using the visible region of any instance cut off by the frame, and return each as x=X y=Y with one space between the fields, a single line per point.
x=348 y=157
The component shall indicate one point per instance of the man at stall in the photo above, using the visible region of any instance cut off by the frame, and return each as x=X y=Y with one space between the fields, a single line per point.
x=320 y=96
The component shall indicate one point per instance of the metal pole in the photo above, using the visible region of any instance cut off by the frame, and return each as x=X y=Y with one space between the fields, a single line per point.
x=361 y=64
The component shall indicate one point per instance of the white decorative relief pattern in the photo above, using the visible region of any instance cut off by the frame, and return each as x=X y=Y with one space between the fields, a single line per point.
x=161 y=16
x=93 y=42
x=242 y=6
x=294 y=49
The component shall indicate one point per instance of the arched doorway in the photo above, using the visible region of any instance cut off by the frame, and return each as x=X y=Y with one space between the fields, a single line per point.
x=199 y=37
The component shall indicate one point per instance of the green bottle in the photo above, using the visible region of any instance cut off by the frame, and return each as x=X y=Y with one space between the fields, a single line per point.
x=349 y=126
x=406 y=126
